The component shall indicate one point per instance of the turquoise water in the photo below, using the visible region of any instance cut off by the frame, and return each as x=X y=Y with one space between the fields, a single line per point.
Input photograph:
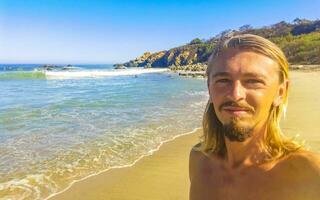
x=63 y=125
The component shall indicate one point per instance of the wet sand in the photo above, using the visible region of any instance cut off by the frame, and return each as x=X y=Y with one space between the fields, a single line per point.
x=164 y=175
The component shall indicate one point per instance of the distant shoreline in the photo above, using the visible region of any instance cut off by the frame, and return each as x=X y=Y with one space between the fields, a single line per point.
x=189 y=71
x=305 y=67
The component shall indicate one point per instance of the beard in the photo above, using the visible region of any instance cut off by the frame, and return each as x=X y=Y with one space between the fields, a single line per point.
x=237 y=133
x=233 y=131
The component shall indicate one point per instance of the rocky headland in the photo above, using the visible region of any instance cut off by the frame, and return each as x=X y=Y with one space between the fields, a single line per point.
x=300 y=41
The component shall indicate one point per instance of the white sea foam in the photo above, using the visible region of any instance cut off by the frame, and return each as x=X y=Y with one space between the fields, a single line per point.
x=149 y=153
x=101 y=73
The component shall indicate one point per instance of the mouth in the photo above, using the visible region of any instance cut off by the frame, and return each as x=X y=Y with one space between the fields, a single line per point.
x=237 y=111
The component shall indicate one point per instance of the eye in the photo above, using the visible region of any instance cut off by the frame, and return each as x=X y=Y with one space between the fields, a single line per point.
x=254 y=81
x=222 y=80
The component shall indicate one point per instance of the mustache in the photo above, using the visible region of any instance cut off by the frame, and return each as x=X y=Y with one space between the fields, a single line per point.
x=235 y=104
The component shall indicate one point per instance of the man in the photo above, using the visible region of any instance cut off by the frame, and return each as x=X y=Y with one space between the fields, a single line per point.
x=243 y=154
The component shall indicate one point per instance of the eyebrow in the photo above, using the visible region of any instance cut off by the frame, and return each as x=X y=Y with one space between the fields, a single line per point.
x=220 y=74
x=249 y=74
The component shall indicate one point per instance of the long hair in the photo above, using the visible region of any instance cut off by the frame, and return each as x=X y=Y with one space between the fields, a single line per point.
x=275 y=143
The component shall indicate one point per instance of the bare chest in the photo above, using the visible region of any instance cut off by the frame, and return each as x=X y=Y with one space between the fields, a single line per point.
x=252 y=184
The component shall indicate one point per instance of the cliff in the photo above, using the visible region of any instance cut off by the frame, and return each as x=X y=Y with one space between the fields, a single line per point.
x=300 y=41
x=180 y=56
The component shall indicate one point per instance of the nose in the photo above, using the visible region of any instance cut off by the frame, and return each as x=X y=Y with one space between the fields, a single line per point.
x=236 y=91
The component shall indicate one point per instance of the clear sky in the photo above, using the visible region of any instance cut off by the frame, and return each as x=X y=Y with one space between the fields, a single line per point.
x=101 y=32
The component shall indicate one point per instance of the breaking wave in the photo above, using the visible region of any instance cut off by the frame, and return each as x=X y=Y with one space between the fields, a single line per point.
x=71 y=74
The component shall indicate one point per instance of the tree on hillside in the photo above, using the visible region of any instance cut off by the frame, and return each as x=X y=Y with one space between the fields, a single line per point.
x=196 y=41
x=299 y=21
x=225 y=33
x=245 y=28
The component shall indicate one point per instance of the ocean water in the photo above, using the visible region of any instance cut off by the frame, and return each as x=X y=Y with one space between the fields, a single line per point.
x=59 y=126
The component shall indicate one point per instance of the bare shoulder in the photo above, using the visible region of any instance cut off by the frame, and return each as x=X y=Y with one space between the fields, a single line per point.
x=196 y=154
x=307 y=158
x=196 y=158
x=201 y=163
x=307 y=162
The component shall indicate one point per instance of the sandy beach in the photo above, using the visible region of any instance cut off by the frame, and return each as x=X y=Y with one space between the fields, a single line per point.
x=164 y=175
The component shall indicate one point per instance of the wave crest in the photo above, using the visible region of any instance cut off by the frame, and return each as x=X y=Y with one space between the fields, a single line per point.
x=100 y=73
x=71 y=74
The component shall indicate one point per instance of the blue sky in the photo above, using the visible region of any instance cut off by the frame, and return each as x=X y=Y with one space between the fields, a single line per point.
x=97 y=32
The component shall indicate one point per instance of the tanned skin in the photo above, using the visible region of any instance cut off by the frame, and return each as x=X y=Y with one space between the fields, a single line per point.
x=251 y=79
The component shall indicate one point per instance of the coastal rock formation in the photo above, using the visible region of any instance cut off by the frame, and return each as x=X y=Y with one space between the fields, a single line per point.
x=180 y=56
x=177 y=57
x=192 y=67
x=119 y=66
x=200 y=74
x=299 y=40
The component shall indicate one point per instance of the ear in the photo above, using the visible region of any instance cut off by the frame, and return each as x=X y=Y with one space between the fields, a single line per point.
x=210 y=99
x=282 y=90
x=208 y=87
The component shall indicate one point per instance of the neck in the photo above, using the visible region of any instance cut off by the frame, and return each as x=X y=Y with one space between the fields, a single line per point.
x=248 y=153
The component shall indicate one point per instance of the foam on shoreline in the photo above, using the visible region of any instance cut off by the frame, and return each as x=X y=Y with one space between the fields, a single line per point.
x=101 y=73
x=72 y=74
x=150 y=152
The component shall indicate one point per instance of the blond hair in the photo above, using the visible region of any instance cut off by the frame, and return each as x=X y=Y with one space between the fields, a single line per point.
x=276 y=144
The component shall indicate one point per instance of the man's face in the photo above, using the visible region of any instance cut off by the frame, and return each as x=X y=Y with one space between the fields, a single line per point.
x=242 y=87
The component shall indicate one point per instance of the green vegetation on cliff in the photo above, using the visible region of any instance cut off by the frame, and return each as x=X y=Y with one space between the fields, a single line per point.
x=300 y=41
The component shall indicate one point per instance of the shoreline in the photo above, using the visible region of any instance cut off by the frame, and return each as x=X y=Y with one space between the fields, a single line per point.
x=60 y=195
x=190 y=71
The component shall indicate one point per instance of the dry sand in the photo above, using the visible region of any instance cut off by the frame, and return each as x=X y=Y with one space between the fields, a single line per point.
x=164 y=175
x=303 y=115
